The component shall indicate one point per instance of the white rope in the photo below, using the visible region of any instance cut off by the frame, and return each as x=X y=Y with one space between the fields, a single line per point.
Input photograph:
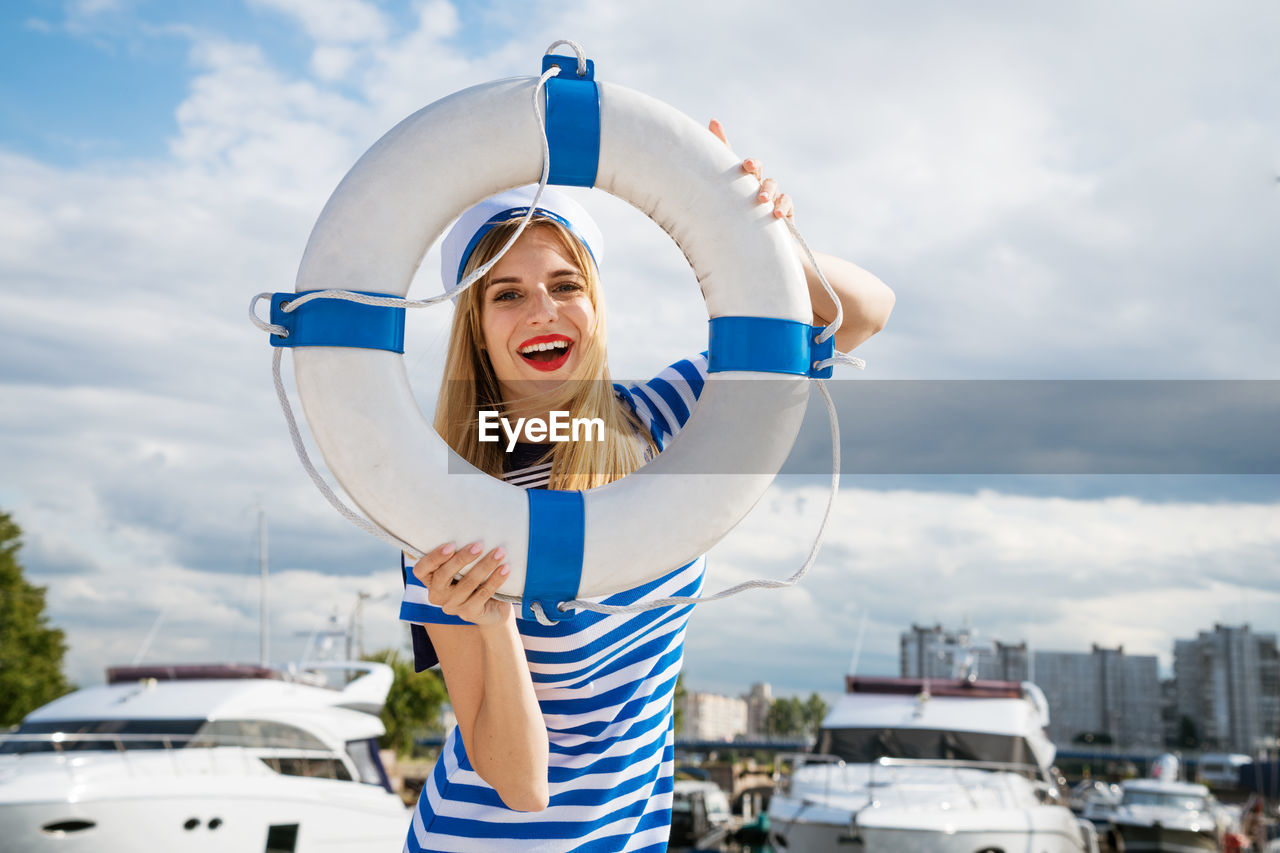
x=371 y=527
x=336 y=502
x=478 y=273
x=577 y=49
x=834 y=325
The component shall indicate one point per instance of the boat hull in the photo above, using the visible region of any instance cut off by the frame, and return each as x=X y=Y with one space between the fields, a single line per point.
x=804 y=837
x=158 y=811
x=1136 y=838
x=808 y=828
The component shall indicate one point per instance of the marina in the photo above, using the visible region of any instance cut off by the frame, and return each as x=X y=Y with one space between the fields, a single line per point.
x=1065 y=435
x=246 y=757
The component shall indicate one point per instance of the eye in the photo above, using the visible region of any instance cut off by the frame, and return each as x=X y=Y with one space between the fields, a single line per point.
x=569 y=286
x=505 y=295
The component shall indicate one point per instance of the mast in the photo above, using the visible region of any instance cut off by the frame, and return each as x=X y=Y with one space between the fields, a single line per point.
x=263 y=611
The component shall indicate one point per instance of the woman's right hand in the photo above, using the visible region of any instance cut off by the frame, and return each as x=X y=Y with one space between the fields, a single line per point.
x=469 y=597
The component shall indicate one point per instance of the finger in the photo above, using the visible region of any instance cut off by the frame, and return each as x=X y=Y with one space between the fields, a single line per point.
x=718 y=129
x=442 y=579
x=431 y=561
x=459 y=562
x=768 y=189
x=478 y=573
x=485 y=591
x=753 y=167
x=783 y=208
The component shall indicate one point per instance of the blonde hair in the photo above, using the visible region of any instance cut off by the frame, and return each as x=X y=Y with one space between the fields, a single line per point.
x=470 y=385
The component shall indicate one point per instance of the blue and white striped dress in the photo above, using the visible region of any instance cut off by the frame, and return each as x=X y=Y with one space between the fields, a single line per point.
x=605 y=686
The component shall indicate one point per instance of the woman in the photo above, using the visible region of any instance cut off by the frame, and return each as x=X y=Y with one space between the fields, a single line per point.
x=564 y=738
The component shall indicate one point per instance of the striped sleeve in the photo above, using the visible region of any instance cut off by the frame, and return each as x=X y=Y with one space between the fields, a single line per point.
x=416 y=607
x=666 y=402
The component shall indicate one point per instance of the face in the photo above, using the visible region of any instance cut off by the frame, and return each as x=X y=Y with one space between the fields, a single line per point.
x=535 y=315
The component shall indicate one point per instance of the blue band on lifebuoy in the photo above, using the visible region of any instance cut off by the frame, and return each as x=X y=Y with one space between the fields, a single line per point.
x=767 y=345
x=557 y=531
x=338 y=323
x=573 y=122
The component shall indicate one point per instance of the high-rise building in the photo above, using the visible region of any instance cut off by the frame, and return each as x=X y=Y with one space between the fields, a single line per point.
x=709 y=716
x=1102 y=697
x=934 y=652
x=759 y=700
x=1228 y=687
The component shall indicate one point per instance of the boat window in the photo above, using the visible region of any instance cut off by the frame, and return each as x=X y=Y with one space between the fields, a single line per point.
x=368 y=763
x=1190 y=802
x=313 y=768
x=863 y=746
x=98 y=735
x=257 y=733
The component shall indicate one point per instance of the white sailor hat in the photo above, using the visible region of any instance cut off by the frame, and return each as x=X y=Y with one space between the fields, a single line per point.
x=462 y=239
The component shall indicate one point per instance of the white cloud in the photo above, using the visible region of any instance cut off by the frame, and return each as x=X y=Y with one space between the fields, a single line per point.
x=1057 y=573
x=1080 y=192
x=332 y=63
x=333 y=20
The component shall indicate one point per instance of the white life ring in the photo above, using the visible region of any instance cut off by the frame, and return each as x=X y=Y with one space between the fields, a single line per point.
x=403 y=193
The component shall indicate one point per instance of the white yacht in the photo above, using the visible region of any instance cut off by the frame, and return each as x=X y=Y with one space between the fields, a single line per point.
x=1167 y=816
x=937 y=765
x=204 y=758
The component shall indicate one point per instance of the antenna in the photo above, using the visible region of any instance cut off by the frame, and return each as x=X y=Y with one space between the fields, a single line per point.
x=151 y=635
x=857 y=644
x=355 y=624
x=264 y=634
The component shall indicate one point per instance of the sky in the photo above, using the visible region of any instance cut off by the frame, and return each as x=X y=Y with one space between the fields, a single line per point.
x=1055 y=192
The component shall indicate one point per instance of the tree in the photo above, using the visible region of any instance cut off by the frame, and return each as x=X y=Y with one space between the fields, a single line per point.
x=31 y=652
x=678 y=704
x=1188 y=733
x=785 y=717
x=789 y=715
x=1093 y=739
x=815 y=711
x=413 y=702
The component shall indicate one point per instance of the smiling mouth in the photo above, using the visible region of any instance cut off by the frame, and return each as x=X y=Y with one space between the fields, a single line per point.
x=546 y=354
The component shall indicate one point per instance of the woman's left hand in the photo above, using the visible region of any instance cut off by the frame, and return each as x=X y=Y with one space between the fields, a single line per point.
x=783 y=208
x=865 y=301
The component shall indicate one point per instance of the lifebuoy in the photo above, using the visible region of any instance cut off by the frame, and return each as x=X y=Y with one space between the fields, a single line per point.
x=403 y=193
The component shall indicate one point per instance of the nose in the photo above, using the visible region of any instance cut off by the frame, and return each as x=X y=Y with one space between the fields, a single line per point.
x=542 y=308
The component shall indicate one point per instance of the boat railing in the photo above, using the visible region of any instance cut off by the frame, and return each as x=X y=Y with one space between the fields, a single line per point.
x=1034 y=772
x=798 y=760
x=283 y=755
x=1044 y=785
x=840 y=767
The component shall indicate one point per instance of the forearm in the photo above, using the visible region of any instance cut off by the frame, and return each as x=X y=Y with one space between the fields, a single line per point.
x=508 y=742
x=865 y=299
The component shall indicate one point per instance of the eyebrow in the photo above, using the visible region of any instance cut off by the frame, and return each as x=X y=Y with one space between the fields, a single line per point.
x=511 y=279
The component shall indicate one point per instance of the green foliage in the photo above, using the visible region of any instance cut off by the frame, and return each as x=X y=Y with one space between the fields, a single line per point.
x=413 y=702
x=790 y=716
x=31 y=652
x=815 y=711
x=1093 y=739
x=1188 y=733
x=785 y=716
x=678 y=699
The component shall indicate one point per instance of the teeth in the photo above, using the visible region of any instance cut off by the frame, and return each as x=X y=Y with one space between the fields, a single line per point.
x=545 y=346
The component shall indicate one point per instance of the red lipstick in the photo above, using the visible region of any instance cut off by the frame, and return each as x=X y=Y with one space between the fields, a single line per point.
x=546 y=358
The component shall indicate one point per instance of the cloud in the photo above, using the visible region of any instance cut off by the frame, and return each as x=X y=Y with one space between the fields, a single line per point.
x=1066 y=192
x=333 y=20
x=1057 y=573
